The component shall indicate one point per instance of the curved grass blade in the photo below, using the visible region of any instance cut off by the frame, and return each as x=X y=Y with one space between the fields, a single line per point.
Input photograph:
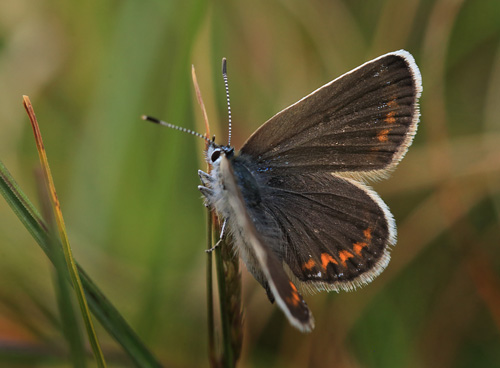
x=227 y=355
x=101 y=307
x=68 y=256
x=212 y=354
x=228 y=276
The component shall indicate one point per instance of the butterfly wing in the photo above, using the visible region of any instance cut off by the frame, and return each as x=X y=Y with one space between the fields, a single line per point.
x=360 y=123
x=336 y=231
x=331 y=231
x=283 y=289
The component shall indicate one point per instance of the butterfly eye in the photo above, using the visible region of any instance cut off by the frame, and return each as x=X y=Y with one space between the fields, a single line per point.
x=215 y=155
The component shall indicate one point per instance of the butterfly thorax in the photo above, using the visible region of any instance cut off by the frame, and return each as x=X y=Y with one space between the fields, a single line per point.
x=247 y=181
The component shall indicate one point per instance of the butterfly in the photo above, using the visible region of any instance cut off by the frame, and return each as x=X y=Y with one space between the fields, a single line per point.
x=294 y=199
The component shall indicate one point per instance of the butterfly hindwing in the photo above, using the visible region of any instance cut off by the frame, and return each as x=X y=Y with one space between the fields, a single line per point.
x=336 y=231
x=361 y=122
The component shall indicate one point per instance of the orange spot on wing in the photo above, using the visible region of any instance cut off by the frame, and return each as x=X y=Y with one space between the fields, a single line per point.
x=389 y=118
x=392 y=103
x=382 y=135
x=295 y=298
x=326 y=259
x=309 y=265
x=344 y=255
x=358 y=247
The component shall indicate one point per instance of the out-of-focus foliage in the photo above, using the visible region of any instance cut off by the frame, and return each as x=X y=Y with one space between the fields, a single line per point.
x=128 y=189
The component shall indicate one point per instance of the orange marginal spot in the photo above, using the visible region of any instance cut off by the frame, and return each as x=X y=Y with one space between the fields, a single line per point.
x=325 y=259
x=367 y=233
x=358 y=247
x=389 y=118
x=295 y=299
x=345 y=255
x=382 y=135
x=392 y=103
x=309 y=265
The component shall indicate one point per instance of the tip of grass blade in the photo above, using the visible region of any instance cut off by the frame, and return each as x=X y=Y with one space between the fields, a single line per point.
x=200 y=100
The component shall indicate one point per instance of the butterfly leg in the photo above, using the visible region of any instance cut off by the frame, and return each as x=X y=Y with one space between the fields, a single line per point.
x=205 y=178
x=222 y=232
x=207 y=193
x=205 y=188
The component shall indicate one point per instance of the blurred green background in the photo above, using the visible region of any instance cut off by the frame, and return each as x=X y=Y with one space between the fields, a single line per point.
x=128 y=189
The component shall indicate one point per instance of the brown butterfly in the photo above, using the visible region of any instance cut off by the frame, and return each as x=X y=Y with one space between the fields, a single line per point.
x=294 y=199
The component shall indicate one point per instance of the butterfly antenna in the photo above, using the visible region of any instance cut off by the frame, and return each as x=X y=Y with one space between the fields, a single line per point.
x=172 y=126
x=224 y=75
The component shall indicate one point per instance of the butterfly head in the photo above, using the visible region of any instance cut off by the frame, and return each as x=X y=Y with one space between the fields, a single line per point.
x=214 y=153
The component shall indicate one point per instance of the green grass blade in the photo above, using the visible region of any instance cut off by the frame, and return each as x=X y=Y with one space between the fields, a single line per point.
x=70 y=326
x=212 y=355
x=23 y=208
x=68 y=254
x=106 y=313
x=69 y=317
x=228 y=356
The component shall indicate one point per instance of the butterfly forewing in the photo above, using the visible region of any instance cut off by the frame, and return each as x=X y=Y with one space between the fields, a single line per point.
x=362 y=122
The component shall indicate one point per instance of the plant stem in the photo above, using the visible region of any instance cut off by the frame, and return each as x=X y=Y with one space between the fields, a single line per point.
x=212 y=356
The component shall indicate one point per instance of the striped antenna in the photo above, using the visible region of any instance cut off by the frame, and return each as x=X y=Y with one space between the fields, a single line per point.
x=224 y=75
x=172 y=126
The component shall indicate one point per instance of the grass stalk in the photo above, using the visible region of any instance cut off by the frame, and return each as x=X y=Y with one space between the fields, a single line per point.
x=212 y=354
x=68 y=254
